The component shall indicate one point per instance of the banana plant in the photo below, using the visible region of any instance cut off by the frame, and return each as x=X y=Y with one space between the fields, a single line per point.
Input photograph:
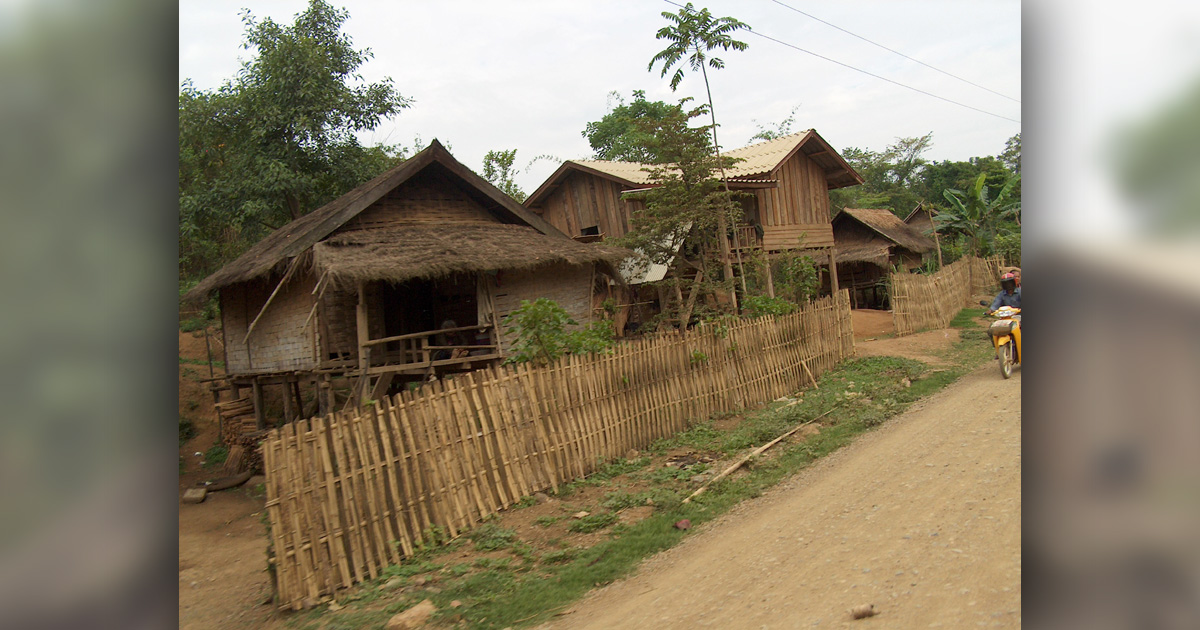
x=977 y=215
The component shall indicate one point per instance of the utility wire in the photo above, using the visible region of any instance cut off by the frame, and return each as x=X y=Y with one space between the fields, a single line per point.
x=868 y=73
x=894 y=51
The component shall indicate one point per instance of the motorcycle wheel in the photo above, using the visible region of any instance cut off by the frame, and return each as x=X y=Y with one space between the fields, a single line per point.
x=1006 y=360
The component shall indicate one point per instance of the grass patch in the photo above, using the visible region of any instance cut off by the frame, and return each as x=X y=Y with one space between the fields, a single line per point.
x=593 y=522
x=492 y=537
x=187 y=430
x=190 y=361
x=215 y=455
x=967 y=317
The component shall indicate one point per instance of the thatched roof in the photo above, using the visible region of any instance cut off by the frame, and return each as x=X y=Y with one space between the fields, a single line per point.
x=434 y=251
x=274 y=251
x=888 y=225
x=876 y=253
x=757 y=161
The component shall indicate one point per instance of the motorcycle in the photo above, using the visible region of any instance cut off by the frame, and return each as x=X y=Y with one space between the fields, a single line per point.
x=1006 y=337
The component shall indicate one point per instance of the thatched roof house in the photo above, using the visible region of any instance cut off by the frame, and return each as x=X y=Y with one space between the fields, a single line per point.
x=875 y=235
x=870 y=242
x=407 y=274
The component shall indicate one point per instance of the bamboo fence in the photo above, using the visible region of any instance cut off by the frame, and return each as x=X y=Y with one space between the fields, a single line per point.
x=353 y=492
x=921 y=302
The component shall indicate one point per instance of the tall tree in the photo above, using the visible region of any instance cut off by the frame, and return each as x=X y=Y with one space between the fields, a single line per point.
x=692 y=35
x=617 y=136
x=277 y=141
x=498 y=169
x=686 y=209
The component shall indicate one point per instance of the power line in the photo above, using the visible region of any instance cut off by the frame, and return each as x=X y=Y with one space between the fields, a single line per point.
x=894 y=51
x=868 y=73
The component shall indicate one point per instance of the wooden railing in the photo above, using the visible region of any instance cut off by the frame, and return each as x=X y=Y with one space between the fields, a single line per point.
x=746 y=238
x=419 y=350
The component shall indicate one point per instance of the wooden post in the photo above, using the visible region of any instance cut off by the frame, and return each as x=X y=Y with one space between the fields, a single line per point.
x=360 y=313
x=723 y=228
x=287 y=401
x=259 y=412
x=770 y=278
x=936 y=241
x=833 y=279
x=296 y=394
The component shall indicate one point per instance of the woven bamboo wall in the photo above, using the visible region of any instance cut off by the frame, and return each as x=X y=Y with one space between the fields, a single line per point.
x=568 y=285
x=280 y=340
x=353 y=492
x=922 y=302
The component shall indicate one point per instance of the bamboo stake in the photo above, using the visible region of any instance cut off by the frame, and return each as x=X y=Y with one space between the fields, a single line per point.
x=295 y=264
x=738 y=464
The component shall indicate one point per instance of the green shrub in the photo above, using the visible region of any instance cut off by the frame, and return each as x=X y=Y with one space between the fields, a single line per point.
x=760 y=305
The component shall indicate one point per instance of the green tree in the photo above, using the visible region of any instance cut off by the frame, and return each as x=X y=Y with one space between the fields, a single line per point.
x=693 y=35
x=891 y=178
x=498 y=169
x=684 y=211
x=777 y=130
x=277 y=141
x=978 y=216
x=617 y=136
x=1011 y=157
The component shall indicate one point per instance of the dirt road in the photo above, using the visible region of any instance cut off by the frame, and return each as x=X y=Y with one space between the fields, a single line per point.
x=921 y=518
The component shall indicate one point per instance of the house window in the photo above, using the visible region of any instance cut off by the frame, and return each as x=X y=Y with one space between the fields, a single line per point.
x=590 y=231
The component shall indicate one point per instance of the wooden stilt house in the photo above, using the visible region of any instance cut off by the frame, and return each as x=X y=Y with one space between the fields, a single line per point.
x=787 y=179
x=407 y=276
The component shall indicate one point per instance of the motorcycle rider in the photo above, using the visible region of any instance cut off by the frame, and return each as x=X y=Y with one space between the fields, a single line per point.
x=1010 y=293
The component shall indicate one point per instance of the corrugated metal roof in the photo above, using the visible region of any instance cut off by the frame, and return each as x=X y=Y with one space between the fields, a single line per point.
x=757 y=159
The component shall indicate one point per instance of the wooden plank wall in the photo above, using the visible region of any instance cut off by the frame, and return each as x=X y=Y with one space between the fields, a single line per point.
x=353 y=492
x=802 y=196
x=583 y=200
x=922 y=302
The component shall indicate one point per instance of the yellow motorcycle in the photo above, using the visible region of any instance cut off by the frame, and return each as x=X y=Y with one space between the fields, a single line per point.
x=1006 y=337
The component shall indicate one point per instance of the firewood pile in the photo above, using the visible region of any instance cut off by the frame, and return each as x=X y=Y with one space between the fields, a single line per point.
x=240 y=432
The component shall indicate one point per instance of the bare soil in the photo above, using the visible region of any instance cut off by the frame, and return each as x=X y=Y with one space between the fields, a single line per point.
x=870 y=324
x=926 y=346
x=920 y=518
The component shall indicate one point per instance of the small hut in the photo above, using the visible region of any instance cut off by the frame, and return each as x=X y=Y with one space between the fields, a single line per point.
x=407 y=276
x=871 y=242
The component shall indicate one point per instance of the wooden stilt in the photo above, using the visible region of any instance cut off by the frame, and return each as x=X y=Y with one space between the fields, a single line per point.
x=259 y=412
x=833 y=279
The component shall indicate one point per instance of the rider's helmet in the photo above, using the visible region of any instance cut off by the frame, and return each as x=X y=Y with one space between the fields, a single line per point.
x=1008 y=282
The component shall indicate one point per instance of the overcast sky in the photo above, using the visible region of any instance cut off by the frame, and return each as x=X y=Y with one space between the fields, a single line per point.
x=530 y=74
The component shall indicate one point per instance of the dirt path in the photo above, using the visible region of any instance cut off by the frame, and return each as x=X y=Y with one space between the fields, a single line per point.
x=921 y=518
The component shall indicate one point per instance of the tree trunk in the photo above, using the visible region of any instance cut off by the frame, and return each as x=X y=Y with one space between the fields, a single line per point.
x=724 y=240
